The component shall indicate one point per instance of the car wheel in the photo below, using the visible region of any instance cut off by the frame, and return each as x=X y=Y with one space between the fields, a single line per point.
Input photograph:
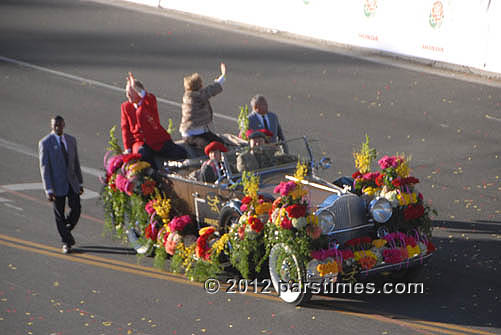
x=288 y=275
x=229 y=216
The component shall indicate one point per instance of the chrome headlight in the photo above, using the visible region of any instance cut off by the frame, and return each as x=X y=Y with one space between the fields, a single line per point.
x=326 y=221
x=380 y=209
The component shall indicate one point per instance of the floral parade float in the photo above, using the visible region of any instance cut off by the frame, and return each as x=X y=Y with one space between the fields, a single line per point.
x=284 y=221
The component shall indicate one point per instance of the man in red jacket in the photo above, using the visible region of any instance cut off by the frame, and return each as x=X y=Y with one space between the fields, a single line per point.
x=141 y=129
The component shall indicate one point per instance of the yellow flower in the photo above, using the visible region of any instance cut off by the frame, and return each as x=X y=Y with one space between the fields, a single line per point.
x=220 y=244
x=162 y=207
x=403 y=169
x=364 y=253
x=413 y=251
x=301 y=171
x=204 y=230
x=379 y=243
x=364 y=157
x=312 y=219
x=371 y=190
x=139 y=166
x=325 y=269
x=263 y=208
x=298 y=193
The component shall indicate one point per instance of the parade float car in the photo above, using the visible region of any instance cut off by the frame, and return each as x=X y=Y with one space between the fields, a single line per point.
x=361 y=232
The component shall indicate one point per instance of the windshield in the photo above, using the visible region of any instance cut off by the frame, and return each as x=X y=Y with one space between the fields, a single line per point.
x=267 y=157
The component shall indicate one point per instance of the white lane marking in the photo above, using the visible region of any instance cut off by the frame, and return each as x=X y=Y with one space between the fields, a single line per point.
x=94 y=82
x=22 y=149
x=88 y=194
x=14 y=207
x=4 y=200
x=487 y=116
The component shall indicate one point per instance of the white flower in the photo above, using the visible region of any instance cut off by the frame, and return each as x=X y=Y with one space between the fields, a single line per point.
x=299 y=223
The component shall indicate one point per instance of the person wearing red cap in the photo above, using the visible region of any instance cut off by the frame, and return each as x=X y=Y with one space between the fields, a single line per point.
x=212 y=169
x=141 y=129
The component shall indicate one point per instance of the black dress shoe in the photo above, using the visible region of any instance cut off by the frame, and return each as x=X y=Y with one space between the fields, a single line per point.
x=72 y=240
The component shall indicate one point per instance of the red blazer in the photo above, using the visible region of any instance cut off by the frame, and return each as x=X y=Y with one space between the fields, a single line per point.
x=142 y=125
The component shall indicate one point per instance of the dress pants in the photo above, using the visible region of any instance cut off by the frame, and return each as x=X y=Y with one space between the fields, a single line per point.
x=169 y=150
x=66 y=224
x=202 y=140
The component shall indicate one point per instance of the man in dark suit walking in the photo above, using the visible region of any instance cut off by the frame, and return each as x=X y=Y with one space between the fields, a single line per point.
x=62 y=178
x=261 y=118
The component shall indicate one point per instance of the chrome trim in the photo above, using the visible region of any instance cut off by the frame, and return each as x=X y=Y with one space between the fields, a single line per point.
x=406 y=264
x=234 y=203
x=351 y=229
x=338 y=191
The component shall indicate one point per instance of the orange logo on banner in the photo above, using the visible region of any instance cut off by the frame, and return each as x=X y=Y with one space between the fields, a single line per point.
x=370 y=7
x=436 y=15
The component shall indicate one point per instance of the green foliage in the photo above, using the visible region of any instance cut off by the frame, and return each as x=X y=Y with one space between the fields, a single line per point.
x=248 y=255
x=113 y=145
x=243 y=121
x=202 y=270
x=170 y=128
x=176 y=263
x=160 y=257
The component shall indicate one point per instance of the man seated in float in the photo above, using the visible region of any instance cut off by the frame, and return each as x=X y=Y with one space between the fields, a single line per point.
x=212 y=169
x=258 y=155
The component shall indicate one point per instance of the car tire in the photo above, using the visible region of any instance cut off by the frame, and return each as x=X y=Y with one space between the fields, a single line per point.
x=228 y=216
x=291 y=292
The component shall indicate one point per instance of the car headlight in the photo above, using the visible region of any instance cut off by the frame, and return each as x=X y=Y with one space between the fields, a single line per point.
x=326 y=221
x=380 y=209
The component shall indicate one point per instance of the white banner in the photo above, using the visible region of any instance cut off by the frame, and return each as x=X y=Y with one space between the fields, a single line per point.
x=454 y=31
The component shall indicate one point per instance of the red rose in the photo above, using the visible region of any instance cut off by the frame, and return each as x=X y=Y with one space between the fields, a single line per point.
x=148 y=187
x=241 y=232
x=347 y=254
x=411 y=180
x=409 y=240
x=356 y=175
x=131 y=157
x=365 y=240
x=246 y=200
x=430 y=247
x=256 y=224
x=353 y=242
x=286 y=223
x=396 y=182
x=380 y=180
x=296 y=211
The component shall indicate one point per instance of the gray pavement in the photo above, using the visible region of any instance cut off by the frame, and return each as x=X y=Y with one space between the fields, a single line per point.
x=449 y=126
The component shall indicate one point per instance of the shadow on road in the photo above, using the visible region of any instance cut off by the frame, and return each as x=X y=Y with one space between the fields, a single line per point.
x=461 y=283
x=92 y=249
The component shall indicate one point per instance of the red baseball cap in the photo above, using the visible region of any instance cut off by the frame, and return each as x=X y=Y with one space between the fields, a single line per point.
x=214 y=145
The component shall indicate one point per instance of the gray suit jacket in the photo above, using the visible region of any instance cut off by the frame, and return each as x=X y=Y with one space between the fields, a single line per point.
x=255 y=123
x=56 y=176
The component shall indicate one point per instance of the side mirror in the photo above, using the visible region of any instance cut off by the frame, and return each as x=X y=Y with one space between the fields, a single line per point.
x=325 y=163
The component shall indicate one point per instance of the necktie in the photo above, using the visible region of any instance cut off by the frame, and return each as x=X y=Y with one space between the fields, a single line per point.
x=265 y=123
x=63 y=149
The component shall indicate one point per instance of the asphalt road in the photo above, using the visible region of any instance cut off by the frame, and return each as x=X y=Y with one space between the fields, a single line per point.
x=71 y=58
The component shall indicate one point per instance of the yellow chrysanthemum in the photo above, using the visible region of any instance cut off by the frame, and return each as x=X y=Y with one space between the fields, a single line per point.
x=301 y=171
x=263 y=208
x=327 y=268
x=413 y=251
x=162 y=207
x=405 y=199
x=298 y=192
x=379 y=243
x=364 y=253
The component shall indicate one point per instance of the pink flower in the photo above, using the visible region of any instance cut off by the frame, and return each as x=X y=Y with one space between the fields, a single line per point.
x=388 y=161
x=179 y=223
x=149 y=207
x=244 y=207
x=371 y=176
x=113 y=164
x=285 y=188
